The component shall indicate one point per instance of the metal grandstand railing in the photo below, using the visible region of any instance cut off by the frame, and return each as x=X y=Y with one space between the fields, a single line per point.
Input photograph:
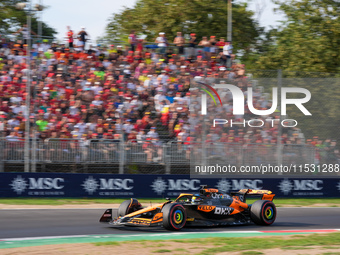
x=73 y=151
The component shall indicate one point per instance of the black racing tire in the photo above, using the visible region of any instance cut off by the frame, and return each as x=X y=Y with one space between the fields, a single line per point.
x=124 y=208
x=129 y=206
x=174 y=216
x=263 y=212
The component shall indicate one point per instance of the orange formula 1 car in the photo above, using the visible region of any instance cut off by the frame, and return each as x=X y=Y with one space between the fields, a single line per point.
x=208 y=208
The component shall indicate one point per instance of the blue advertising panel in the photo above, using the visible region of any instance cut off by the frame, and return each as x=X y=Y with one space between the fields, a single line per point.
x=152 y=186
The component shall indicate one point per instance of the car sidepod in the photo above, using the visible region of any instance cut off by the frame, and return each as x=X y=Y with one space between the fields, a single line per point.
x=214 y=215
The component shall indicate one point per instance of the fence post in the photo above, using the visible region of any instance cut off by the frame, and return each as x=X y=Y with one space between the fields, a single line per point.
x=166 y=156
x=43 y=155
x=2 y=154
x=121 y=154
x=34 y=152
x=85 y=155
x=279 y=144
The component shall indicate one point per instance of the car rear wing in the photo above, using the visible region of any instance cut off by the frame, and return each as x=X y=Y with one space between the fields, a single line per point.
x=243 y=193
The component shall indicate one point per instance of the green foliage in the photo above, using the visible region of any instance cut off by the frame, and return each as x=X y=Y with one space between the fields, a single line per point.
x=46 y=30
x=324 y=104
x=9 y=15
x=308 y=40
x=203 y=17
x=12 y=18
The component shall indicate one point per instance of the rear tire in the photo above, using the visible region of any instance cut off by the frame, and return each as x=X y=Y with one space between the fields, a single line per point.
x=174 y=216
x=263 y=212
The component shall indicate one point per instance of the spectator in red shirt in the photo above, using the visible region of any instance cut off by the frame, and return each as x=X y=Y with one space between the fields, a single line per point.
x=70 y=37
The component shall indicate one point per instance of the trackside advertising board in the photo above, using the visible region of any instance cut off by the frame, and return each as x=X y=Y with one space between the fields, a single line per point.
x=153 y=186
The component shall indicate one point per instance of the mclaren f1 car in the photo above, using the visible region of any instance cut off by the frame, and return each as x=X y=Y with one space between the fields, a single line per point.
x=208 y=208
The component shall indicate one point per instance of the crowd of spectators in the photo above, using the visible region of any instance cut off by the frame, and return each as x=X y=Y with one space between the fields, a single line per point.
x=135 y=92
x=101 y=92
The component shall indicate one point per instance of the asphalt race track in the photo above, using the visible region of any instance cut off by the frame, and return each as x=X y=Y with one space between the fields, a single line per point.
x=62 y=222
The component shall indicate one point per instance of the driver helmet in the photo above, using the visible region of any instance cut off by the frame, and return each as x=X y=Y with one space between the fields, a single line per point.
x=195 y=199
x=224 y=196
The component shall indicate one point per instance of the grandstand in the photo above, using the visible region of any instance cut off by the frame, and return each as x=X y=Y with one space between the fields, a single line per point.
x=111 y=109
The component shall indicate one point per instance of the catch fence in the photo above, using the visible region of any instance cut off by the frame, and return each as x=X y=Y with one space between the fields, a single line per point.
x=147 y=157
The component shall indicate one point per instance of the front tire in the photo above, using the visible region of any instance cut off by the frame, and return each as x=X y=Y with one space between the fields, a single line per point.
x=129 y=206
x=124 y=208
x=174 y=216
x=263 y=212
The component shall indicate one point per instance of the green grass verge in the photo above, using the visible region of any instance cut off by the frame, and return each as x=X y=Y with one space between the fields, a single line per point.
x=64 y=201
x=162 y=251
x=251 y=253
x=279 y=202
x=298 y=202
x=112 y=243
x=250 y=245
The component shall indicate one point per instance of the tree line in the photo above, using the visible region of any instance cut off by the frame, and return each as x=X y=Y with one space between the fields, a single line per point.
x=308 y=39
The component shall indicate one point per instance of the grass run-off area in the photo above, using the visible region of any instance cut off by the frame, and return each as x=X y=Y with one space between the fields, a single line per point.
x=279 y=202
x=250 y=245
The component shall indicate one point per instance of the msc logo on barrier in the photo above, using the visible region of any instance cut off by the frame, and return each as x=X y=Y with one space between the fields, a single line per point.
x=287 y=186
x=159 y=185
x=227 y=185
x=91 y=185
x=20 y=184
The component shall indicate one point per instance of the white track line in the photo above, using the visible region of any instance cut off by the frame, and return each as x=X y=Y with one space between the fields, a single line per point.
x=39 y=238
x=163 y=234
